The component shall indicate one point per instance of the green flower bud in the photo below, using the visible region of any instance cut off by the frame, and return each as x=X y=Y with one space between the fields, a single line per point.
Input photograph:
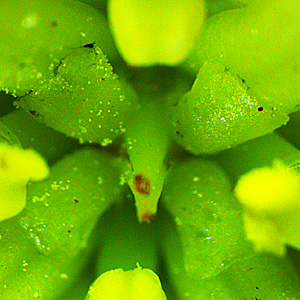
x=155 y=32
x=137 y=284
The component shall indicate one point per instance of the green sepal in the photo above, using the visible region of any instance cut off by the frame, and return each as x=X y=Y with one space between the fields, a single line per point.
x=7 y=136
x=45 y=247
x=220 y=112
x=260 y=42
x=6 y=104
x=35 y=35
x=198 y=195
x=51 y=144
x=262 y=276
x=291 y=130
x=98 y=4
x=206 y=255
x=124 y=242
x=217 y=6
x=83 y=98
x=258 y=153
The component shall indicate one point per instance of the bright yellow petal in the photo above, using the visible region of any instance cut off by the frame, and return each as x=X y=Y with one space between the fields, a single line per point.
x=17 y=167
x=271 y=200
x=137 y=284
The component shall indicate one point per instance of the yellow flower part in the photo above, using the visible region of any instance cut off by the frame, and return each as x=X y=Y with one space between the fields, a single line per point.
x=137 y=284
x=17 y=167
x=271 y=200
x=150 y=32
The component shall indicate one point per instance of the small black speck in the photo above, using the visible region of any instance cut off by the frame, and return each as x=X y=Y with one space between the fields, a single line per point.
x=242 y=80
x=257 y=287
x=69 y=231
x=75 y=201
x=34 y=113
x=179 y=134
x=91 y=45
x=260 y=108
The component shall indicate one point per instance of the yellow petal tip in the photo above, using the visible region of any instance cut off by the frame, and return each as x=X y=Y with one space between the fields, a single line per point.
x=137 y=284
x=17 y=167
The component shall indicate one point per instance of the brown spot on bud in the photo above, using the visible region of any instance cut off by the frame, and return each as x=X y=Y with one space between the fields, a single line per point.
x=141 y=184
x=34 y=113
x=54 y=23
x=147 y=217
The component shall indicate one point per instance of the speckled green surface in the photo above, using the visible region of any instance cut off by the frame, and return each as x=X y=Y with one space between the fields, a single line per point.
x=111 y=132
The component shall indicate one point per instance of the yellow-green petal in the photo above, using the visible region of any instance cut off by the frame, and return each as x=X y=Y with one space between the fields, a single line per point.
x=137 y=284
x=271 y=200
x=149 y=32
x=17 y=167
